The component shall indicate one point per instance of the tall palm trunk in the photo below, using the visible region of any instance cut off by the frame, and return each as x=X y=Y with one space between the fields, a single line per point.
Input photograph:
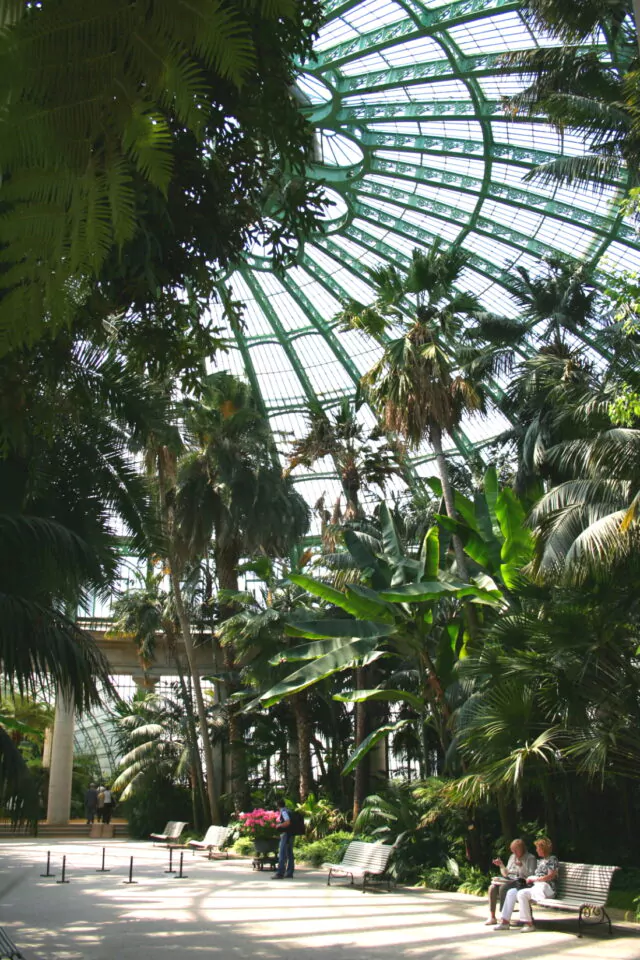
x=167 y=514
x=447 y=494
x=300 y=704
x=450 y=505
x=361 y=779
x=185 y=630
x=226 y=566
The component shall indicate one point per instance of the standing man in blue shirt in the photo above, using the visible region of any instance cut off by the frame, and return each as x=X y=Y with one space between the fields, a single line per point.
x=285 y=853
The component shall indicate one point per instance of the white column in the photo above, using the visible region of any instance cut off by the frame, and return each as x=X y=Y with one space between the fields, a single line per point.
x=59 y=805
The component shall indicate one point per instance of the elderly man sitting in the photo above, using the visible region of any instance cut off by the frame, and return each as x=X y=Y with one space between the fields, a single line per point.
x=519 y=866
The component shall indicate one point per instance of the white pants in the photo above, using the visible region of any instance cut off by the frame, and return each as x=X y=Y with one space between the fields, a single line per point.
x=539 y=891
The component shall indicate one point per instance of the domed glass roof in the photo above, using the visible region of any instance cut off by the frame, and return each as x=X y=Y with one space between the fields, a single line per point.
x=413 y=144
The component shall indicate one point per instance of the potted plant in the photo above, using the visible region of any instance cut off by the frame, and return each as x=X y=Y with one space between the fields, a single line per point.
x=260 y=825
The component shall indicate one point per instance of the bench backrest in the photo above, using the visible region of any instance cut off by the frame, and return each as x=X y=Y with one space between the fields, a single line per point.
x=176 y=828
x=215 y=836
x=367 y=856
x=584 y=880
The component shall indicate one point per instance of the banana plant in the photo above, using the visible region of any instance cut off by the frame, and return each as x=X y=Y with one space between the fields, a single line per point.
x=404 y=612
x=492 y=528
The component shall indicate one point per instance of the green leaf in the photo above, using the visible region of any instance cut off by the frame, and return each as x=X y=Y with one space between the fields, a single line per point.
x=307 y=651
x=325 y=592
x=369 y=603
x=430 y=553
x=389 y=535
x=340 y=659
x=418 y=592
x=463 y=506
x=336 y=629
x=491 y=490
x=361 y=696
x=370 y=742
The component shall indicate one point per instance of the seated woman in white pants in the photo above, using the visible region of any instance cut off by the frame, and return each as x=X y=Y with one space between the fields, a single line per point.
x=539 y=886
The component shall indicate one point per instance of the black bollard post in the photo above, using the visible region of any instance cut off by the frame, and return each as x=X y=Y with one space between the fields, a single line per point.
x=130 y=880
x=180 y=875
x=102 y=868
x=48 y=873
x=64 y=869
x=170 y=870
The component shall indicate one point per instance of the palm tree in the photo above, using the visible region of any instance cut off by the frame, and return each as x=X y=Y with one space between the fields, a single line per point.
x=231 y=493
x=416 y=386
x=257 y=633
x=360 y=460
x=152 y=737
x=581 y=89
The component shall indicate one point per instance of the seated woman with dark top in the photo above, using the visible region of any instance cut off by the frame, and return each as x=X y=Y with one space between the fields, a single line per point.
x=520 y=865
x=540 y=885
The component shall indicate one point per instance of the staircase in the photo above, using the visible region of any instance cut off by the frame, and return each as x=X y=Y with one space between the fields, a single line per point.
x=74 y=830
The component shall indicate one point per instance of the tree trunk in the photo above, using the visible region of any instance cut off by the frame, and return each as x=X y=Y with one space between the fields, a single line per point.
x=449 y=502
x=197 y=779
x=166 y=512
x=226 y=569
x=300 y=706
x=361 y=781
x=508 y=815
x=214 y=807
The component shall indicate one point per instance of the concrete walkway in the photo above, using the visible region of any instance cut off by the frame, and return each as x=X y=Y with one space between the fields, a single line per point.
x=224 y=910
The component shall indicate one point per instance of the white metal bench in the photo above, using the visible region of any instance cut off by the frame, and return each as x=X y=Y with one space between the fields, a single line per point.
x=8 y=948
x=583 y=887
x=171 y=833
x=368 y=861
x=212 y=840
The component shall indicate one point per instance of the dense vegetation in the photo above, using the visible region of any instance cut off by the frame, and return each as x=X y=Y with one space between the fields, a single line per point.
x=480 y=635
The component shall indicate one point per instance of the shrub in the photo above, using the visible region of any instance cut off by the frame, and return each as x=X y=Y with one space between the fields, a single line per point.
x=474 y=881
x=327 y=850
x=244 y=847
x=440 y=878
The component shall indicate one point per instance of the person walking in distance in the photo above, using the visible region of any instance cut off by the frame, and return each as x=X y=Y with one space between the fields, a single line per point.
x=285 y=852
x=91 y=803
x=108 y=806
x=100 y=804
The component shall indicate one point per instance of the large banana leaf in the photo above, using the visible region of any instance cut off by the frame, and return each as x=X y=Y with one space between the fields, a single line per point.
x=418 y=592
x=361 y=696
x=370 y=742
x=462 y=504
x=307 y=651
x=346 y=629
x=430 y=554
x=340 y=659
x=370 y=603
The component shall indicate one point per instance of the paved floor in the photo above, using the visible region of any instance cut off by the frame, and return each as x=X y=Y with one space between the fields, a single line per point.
x=224 y=910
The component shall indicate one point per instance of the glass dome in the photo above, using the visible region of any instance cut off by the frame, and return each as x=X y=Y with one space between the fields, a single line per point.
x=413 y=143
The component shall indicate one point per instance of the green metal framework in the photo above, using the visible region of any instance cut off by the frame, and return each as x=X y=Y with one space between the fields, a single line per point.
x=413 y=143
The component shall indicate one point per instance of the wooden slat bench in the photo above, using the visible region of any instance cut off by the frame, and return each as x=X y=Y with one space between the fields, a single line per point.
x=212 y=840
x=583 y=887
x=171 y=833
x=366 y=860
x=8 y=948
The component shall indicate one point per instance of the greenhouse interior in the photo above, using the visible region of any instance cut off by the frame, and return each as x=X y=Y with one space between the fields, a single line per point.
x=320 y=464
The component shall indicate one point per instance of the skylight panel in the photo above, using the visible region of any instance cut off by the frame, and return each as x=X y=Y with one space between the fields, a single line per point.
x=622 y=259
x=504 y=85
x=421 y=50
x=373 y=14
x=499 y=34
x=370 y=63
x=352 y=285
x=566 y=237
x=512 y=216
x=276 y=376
x=324 y=370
